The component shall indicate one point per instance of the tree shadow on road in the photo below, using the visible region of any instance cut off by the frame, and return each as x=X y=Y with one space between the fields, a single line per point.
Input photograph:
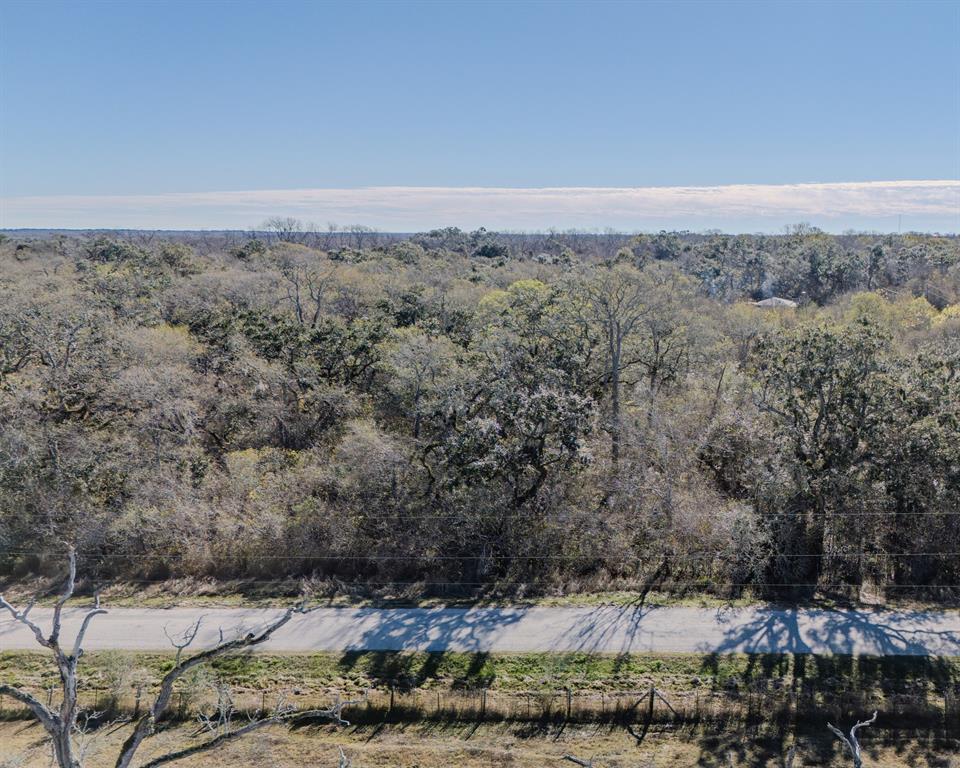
x=430 y=629
x=847 y=631
x=599 y=628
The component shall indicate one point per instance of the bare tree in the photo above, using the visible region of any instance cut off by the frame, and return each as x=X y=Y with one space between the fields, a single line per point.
x=307 y=287
x=222 y=729
x=86 y=732
x=61 y=725
x=286 y=228
x=853 y=746
x=360 y=234
x=617 y=298
x=67 y=735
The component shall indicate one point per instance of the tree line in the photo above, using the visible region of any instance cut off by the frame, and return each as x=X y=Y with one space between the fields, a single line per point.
x=480 y=409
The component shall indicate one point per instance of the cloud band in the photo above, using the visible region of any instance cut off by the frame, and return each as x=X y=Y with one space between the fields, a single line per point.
x=882 y=205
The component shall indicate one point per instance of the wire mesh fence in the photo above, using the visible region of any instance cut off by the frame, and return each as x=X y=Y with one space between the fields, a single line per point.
x=723 y=709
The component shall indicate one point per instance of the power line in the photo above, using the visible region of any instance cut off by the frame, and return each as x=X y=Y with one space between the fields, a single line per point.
x=498 y=583
x=468 y=517
x=407 y=557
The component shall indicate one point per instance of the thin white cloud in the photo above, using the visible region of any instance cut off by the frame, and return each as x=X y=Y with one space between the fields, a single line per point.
x=883 y=205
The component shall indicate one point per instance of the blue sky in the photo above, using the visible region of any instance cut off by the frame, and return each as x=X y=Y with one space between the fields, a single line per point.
x=132 y=98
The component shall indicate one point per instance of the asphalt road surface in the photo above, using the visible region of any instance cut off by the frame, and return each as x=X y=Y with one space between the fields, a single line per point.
x=599 y=630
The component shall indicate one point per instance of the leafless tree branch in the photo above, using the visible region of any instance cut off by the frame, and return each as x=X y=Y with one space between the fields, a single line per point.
x=46 y=717
x=68 y=737
x=146 y=725
x=283 y=714
x=851 y=742
x=60 y=726
x=21 y=616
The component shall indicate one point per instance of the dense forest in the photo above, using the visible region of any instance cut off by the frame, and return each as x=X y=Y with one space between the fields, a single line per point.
x=531 y=412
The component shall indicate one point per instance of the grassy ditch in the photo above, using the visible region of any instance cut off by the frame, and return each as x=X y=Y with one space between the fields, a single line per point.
x=715 y=692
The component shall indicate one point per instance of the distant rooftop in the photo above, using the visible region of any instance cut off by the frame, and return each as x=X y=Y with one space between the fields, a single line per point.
x=774 y=302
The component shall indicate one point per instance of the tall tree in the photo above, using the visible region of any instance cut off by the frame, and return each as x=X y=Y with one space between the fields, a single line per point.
x=827 y=388
x=617 y=297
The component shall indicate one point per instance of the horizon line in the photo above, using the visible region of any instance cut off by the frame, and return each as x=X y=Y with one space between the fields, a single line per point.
x=923 y=204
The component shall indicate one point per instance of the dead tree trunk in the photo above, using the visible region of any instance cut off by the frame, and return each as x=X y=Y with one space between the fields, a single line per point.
x=853 y=746
x=61 y=725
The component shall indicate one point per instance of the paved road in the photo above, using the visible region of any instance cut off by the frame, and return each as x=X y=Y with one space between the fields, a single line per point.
x=600 y=629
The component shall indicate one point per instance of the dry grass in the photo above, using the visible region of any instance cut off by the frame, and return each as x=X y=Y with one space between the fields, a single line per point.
x=472 y=747
x=250 y=593
x=253 y=593
x=417 y=736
